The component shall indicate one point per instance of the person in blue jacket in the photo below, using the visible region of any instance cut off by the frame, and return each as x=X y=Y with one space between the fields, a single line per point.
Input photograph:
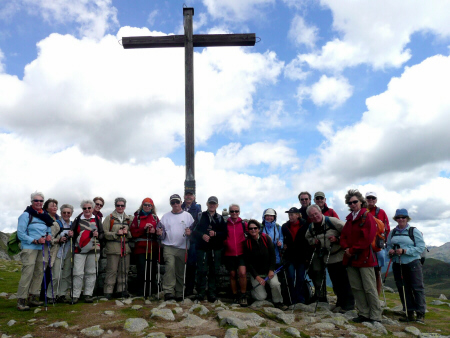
x=405 y=245
x=34 y=232
x=271 y=228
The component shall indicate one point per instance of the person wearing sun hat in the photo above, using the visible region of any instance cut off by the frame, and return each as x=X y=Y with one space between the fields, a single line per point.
x=143 y=230
x=405 y=245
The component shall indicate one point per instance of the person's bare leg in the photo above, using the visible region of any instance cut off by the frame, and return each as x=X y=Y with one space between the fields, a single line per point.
x=233 y=282
x=243 y=279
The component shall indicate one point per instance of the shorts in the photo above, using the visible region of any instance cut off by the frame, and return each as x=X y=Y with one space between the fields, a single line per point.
x=232 y=263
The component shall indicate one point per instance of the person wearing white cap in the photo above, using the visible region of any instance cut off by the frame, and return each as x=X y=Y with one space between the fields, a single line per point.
x=175 y=231
x=371 y=198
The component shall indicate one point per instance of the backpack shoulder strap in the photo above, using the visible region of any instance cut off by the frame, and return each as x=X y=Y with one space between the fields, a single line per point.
x=377 y=211
x=264 y=239
x=328 y=222
x=111 y=222
x=364 y=216
x=411 y=234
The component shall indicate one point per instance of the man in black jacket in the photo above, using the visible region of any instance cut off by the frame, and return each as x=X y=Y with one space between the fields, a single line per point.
x=259 y=254
x=209 y=233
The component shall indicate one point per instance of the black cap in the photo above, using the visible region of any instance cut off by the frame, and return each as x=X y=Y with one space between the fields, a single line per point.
x=175 y=197
x=293 y=210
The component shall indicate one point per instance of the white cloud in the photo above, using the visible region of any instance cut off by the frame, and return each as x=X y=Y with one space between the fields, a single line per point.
x=2 y=65
x=377 y=33
x=236 y=10
x=301 y=33
x=294 y=70
x=122 y=101
x=234 y=156
x=326 y=128
x=273 y=116
x=70 y=176
x=332 y=91
x=152 y=17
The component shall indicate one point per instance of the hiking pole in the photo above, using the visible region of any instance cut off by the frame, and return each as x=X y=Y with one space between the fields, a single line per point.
x=60 y=267
x=382 y=288
x=281 y=251
x=185 y=262
x=125 y=265
x=96 y=268
x=145 y=269
x=403 y=285
x=324 y=277
x=151 y=266
x=71 y=268
x=50 y=268
x=45 y=280
x=384 y=280
x=267 y=277
x=159 y=266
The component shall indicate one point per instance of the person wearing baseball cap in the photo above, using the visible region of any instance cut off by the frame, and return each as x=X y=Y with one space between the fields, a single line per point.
x=175 y=229
x=321 y=201
x=209 y=233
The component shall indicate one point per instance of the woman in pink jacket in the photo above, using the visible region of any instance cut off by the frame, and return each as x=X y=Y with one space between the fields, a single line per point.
x=234 y=254
x=356 y=239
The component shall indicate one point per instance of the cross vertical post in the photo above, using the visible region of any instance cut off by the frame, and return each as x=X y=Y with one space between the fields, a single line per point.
x=189 y=183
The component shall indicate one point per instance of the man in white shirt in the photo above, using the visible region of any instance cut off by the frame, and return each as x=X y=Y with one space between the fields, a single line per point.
x=175 y=231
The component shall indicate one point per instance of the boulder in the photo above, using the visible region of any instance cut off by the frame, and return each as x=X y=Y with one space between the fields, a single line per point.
x=13 y=296
x=202 y=336
x=135 y=324
x=3 y=294
x=338 y=320
x=178 y=310
x=93 y=331
x=264 y=333
x=323 y=326
x=119 y=303
x=187 y=302
x=357 y=335
x=28 y=336
x=412 y=330
x=388 y=289
x=136 y=307
x=11 y=322
x=261 y=303
x=165 y=314
x=438 y=302
x=109 y=313
x=380 y=328
x=272 y=311
x=442 y=297
x=198 y=308
x=127 y=301
x=293 y=332
x=60 y=324
x=232 y=333
x=286 y=318
x=37 y=310
x=303 y=307
x=156 y=335
x=251 y=319
x=240 y=324
x=192 y=321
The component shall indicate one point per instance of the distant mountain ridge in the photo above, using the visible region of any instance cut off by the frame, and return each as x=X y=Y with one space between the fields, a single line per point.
x=440 y=252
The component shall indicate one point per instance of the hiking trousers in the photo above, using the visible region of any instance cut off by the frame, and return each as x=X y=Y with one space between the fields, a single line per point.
x=414 y=288
x=32 y=272
x=63 y=275
x=174 y=275
x=260 y=293
x=116 y=270
x=83 y=269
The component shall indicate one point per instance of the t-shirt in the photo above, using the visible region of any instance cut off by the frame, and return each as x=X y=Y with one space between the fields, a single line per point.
x=174 y=226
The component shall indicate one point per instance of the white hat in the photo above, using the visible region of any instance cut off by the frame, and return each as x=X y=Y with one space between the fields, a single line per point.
x=371 y=193
x=270 y=212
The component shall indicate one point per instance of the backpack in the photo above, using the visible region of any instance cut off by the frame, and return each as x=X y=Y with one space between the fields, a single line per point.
x=264 y=239
x=243 y=229
x=14 y=246
x=379 y=241
x=327 y=222
x=413 y=239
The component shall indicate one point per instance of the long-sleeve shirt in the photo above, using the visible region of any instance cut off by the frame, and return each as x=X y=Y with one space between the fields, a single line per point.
x=215 y=223
x=259 y=255
x=401 y=237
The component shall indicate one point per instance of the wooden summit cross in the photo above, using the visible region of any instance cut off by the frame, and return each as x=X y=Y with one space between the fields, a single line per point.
x=189 y=41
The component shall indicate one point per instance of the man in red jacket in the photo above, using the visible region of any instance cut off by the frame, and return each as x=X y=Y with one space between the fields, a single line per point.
x=321 y=201
x=356 y=240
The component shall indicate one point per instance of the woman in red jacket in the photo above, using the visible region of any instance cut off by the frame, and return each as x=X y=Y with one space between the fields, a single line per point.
x=143 y=229
x=356 y=240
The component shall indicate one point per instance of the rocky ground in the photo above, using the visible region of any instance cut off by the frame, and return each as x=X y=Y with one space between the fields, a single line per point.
x=135 y=317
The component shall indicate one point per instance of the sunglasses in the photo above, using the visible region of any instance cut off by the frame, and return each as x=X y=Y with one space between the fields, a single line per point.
x=234 y=211
x=250 y=229
x=87 y=208
x=175 y=202
x=120 y=205
x=148 y=205
x=99 y=205
x=401 y=217
x=304 y=199
x=370 y=198
x=353 y=202
x=67 y=212
x=319 y=198
x=38 y=201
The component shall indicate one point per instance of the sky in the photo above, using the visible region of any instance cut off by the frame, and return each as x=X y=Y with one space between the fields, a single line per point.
x=336 y=95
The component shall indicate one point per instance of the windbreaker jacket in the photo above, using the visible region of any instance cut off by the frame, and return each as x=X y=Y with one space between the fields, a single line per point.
x=326 y=211
x=297 y=249
x=140 y=234
x=27 y=233
x=234 y=244
x=402 y=238
x=206 y=223
x=358 y=238
x=113 y=240
x=259 y=255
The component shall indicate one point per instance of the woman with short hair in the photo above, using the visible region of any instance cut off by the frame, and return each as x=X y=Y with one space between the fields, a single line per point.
x=356 y=240
x=33 y=231
x=405 y=245
x=117 y=250
x=99 y=203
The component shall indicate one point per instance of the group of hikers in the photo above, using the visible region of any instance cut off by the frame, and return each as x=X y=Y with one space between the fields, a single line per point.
x=194 y=244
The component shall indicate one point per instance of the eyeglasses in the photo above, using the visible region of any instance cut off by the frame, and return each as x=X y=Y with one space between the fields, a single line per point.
x=147 y=205
x=120 y=205
x=99 y=205
x=234 y=211
x=212 y=203
x=319 y=198
x=67 y=212
x=38 y=201
x=370 y=198
x=175 y=202
x=87 y=208
x=353 y=202
x=401 y=217
x=250 y=229
x=304 y=199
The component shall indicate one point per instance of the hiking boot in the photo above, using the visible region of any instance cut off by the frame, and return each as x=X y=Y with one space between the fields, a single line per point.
x=243 y=302
x=75 y=300
x=125 y=294
x=360 y=319
x=420 y=318
x=22 y=305
x=33 y=300
x=409 y=318
x=168 y=296
x=89 y=299
x=212 y=298
x=200 y=298
x=235 y=298
x=60 y=299
x=281 y=306
x=108 y=296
